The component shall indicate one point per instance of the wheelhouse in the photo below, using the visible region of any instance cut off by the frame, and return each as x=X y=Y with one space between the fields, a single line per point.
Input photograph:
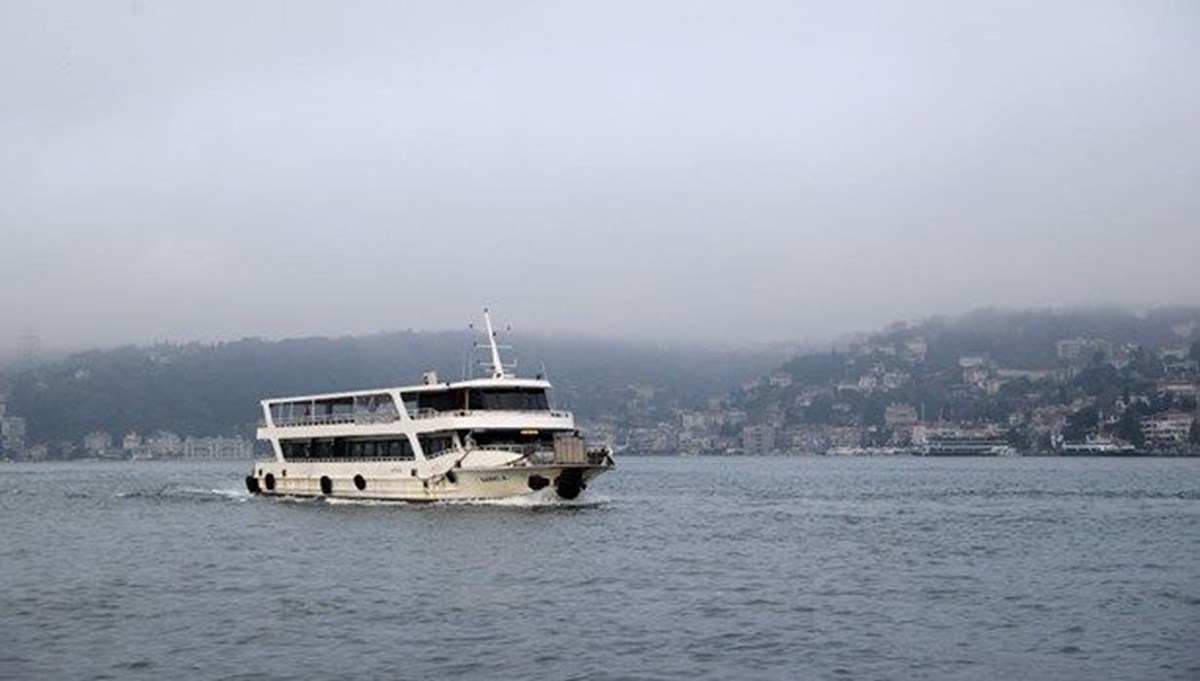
x=484 y=399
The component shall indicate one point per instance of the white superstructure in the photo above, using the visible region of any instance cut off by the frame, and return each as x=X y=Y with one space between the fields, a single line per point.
x=481 y=438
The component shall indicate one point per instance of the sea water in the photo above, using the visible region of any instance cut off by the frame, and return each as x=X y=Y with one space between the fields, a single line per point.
x=666 y=568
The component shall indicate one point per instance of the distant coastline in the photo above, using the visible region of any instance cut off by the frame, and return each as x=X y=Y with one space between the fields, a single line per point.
x=1041 y=382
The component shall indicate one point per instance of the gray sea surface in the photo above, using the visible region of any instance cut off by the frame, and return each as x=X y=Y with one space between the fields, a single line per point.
x=670 y=568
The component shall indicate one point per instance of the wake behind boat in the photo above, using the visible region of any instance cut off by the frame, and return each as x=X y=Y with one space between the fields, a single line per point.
x=486 y=438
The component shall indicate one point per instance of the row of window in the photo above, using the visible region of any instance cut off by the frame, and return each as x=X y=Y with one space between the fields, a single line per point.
x=381 y=404
x=333 y=408
x=537 y=438
x=485 y=399
x=342 y=448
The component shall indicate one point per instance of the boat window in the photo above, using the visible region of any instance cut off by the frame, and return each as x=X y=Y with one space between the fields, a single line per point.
x=396 y=448
x=296 y=449
x=285 y=413
x=442 y=400
x=506 y=438
x=509 y=399
x=335 y=407
x=323 y=448
x=329 y=410
x=436 y=445
x=375 y=408
x=410 y=404
x=373 y=403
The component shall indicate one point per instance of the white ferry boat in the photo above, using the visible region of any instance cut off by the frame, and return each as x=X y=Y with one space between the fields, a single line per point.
x=482 y=438
x=965 y=444
x=1096 y=446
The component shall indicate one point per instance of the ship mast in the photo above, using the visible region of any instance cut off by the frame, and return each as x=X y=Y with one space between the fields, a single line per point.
x=497 y=367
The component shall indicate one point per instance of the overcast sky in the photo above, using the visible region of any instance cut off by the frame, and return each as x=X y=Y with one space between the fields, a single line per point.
x=714 y=171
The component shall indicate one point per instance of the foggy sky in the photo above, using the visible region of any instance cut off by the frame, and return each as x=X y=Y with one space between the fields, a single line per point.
x=712 y=171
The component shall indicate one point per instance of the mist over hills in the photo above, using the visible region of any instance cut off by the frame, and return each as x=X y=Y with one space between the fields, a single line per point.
x=1026 y=338
x=206 y=389
x=213 y=389
x=1036 y=380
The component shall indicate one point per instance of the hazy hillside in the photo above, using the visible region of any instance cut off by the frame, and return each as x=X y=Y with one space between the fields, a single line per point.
x=1037 y=376
x=211 y=389
x=1025 y=338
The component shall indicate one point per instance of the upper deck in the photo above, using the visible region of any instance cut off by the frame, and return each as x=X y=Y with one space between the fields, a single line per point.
x=422 y=401
x=503 y=383
x=499 y=401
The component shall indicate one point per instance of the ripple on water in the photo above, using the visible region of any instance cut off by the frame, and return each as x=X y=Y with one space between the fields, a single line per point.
x=679 y=568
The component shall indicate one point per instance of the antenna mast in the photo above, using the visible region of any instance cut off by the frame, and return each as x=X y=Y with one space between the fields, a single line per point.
x=497 y=367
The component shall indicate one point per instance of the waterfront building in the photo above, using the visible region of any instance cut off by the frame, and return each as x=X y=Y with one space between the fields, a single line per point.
x=1167 y=431
x=758 y=440
x=12 y=434
x=216 y=448
x=899 y=414
x=1080 y=351
x=97 y=443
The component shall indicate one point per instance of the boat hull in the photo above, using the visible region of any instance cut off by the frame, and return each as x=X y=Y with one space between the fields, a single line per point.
x=391 y=481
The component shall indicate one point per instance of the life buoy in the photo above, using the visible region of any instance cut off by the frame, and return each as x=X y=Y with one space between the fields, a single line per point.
x=326 y=485
x=360 y=482
x=269 y=481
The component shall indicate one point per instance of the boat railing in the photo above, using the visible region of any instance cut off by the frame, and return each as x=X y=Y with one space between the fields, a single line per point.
x=348 y=459
x=600 y=456
x=366 y=418
x=361 y=418
x=566 y=453
x=514 y=449
x=433 y=413
x=369 y=417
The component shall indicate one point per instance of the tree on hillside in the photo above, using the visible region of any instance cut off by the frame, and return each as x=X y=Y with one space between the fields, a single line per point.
x=816 y=369
x=1099 y=380
x=1080 y=424
x=1129 y=428
x=1144 y=366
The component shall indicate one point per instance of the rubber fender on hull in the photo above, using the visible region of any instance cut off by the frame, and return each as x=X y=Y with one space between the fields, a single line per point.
x=269 y=482
x=537 y=482
x=252 y=484
x=360 y=483
x=326 y=485
x=569 y=484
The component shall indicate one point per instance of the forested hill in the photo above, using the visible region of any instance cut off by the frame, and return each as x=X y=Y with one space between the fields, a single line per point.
x=1012 y=339
x=1026 y=338
x=1040 y=377
x=213 y=389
